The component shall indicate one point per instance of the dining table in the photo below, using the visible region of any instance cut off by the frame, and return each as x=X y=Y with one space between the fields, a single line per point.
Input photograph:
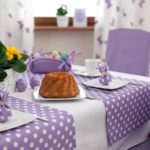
x=87 y=123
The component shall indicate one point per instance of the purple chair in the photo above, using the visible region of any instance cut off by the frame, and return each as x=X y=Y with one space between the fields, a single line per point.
x=128 y=51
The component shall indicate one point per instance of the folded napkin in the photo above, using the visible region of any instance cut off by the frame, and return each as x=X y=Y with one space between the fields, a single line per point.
x=5 y=110
x=105 y=78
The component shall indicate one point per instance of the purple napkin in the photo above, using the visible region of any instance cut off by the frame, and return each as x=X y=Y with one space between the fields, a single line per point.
x=5 y=110
x=105 y=77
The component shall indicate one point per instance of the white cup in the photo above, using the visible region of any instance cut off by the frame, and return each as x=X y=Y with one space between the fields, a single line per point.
x=90 y=66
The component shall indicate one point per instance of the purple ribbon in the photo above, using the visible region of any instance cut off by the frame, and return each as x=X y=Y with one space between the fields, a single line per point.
x=69 y=61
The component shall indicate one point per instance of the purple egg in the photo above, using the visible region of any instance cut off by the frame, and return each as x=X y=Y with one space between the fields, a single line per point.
x=21 y=85
x=35 y=81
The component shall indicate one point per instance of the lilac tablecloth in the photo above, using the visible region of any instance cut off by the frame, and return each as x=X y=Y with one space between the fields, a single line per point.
x=126 y=108
x=57 y=134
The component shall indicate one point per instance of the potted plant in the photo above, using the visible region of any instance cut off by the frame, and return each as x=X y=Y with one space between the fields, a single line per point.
x=62 y=19
x=11 y=60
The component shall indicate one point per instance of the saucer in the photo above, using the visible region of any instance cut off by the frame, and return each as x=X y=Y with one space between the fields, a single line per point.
x=84 y=73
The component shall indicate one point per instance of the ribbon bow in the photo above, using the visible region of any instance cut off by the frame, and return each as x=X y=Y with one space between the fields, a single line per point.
x=69 y=61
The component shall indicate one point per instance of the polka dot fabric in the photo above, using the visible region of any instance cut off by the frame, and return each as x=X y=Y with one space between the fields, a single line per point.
x=57 y=134
x=126 y=108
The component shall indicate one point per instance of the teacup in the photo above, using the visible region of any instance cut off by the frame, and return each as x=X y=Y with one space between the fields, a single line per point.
x=90 y=66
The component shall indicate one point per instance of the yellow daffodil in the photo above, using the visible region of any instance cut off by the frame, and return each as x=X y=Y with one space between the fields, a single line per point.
x=11 y=51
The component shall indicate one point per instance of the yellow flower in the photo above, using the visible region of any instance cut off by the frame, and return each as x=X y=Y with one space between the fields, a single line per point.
x=11 y=51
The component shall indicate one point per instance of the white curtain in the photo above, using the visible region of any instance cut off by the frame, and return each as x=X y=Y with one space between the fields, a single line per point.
x=113 y=14
x=16 y=24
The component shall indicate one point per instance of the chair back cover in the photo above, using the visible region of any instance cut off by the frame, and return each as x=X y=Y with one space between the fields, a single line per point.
x=128 y=51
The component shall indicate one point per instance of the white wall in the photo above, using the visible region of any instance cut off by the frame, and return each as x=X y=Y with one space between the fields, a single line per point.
x=66 y=41
x=49 y=7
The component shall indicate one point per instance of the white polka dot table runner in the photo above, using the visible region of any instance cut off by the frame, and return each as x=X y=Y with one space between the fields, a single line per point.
x=126 y=108
x=57 y=134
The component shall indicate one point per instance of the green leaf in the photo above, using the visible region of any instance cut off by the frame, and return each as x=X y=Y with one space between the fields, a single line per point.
x=3 y=56
x=19 y=66
x=2 y=46
x=3 y=75
x=61 y=11
x=24 y=57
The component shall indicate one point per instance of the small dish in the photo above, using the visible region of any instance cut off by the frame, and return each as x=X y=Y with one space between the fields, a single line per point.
x=84 y=73
x=37 y=97
x=114 y=84
x=17 y=119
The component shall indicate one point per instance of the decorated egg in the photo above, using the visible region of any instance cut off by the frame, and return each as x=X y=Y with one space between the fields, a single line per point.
x=63 y=57
x=21 y=85
x=35 y=81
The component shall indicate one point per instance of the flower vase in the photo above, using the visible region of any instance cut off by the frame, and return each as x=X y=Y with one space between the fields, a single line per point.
x=62 y=21
x=9 y=82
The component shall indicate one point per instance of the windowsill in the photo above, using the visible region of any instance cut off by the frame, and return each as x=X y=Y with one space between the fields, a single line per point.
x=47 y=23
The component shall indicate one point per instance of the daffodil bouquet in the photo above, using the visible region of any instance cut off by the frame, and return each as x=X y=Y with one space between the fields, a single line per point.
x=10 y=57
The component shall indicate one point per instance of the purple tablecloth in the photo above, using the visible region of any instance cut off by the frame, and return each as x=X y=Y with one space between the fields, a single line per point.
x=57 y=134
x=126 y=108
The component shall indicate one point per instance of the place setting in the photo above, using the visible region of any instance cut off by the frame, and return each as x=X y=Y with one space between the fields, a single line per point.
x=11 y=118
x=99 y=78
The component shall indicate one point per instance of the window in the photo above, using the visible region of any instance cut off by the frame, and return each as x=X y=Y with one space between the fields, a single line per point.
x=47 y=8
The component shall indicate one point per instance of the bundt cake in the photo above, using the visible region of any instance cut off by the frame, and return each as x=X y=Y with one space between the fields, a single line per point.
x=58 y=85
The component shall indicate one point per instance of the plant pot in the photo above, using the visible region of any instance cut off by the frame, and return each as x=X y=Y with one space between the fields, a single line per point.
x=9 y=82
x=62 y=21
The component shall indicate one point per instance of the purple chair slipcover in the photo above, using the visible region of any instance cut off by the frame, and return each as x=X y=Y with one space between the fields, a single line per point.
x=128 y=51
